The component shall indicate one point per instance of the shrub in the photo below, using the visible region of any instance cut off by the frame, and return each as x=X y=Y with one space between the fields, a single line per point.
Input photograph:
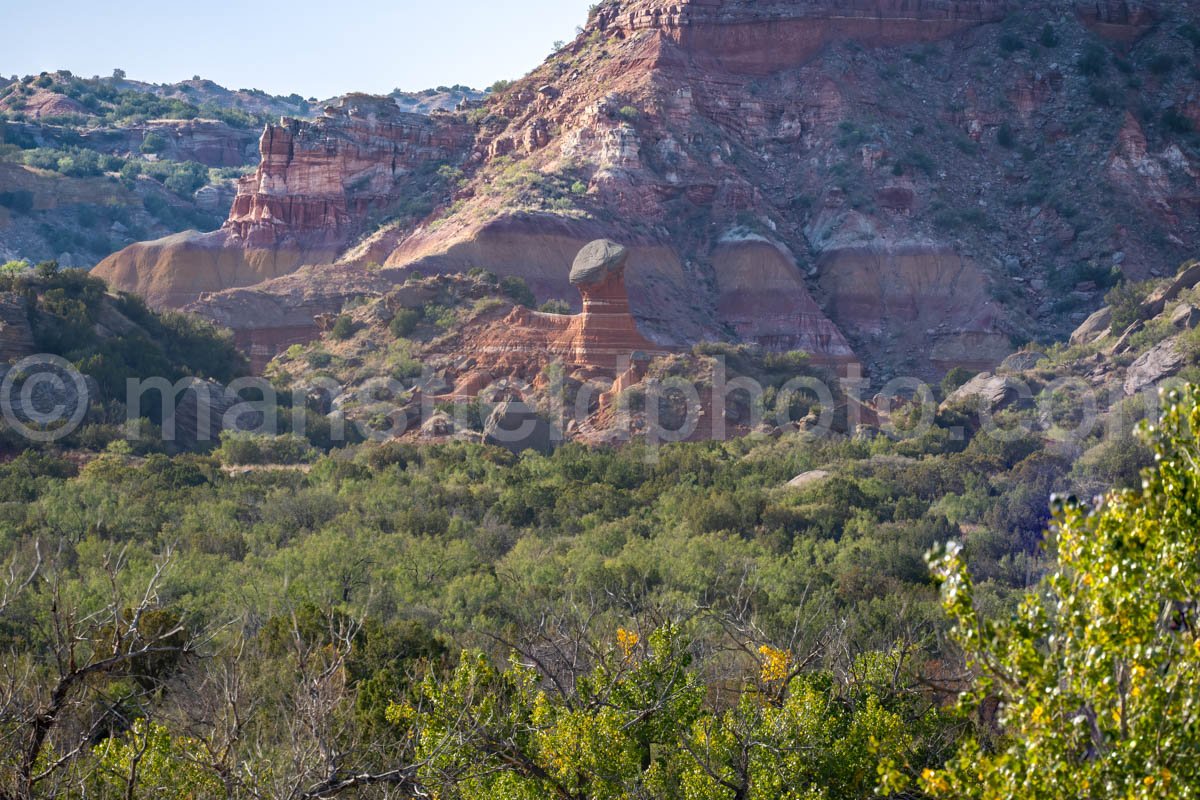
x=1093 y=61
x=343 y=328
x=518 y=291
x=1162 y=64
x=247 y=449
x=1191 y=33
x=1126 y=302
x=955 y=379
x=186 y=178
x=1005 y=137
x=17 y=200
x=1175 y=122
x=405 y=322
x=555 y=307
x=80 y=164
x=1011 y=43
x=1049 y=37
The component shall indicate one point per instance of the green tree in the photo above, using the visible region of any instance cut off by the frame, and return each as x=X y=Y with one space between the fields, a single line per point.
x=1098 y=675
x=153 y=143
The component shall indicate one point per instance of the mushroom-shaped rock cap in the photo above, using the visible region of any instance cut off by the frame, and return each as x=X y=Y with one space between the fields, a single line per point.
x=597 y=261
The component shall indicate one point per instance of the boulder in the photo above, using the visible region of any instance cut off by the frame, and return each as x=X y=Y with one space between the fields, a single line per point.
x=1125 y=341
x=808 y=478
x=988 y=392
x=1187 y=316
x=438 y=425
x=1188 y=277
x=1160 y=362
x=597 y=262
x=517 y=427
x=1094 y=328
x=1020 y=362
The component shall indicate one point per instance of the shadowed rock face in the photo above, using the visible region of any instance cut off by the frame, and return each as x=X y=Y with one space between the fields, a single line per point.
x=16 y=337
x=1120 y=20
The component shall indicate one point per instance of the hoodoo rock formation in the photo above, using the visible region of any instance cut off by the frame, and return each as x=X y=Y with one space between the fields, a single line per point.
x=600 y=342
x=905 y=183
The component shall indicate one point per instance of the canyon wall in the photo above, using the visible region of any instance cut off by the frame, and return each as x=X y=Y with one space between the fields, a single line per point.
x=898 y=182
x=316 y=185
x=763 y=37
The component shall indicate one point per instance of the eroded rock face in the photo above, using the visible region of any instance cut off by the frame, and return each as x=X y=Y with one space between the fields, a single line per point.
x=1120 y=20
x=762 y=295
x=314 y=188
x=318 y=182
x=761 y=37
x=176 y=270
x=1160 y=362
x=602 y=340
x=771 y=184
x=16 y=337
x=928 y=306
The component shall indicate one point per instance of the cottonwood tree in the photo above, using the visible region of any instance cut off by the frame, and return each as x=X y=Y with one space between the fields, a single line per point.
x=1098 y=675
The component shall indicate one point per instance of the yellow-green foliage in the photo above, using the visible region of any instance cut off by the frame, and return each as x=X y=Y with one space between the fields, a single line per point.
x=1099 y=672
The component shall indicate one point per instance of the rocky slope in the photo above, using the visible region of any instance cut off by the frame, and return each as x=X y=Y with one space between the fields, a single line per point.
x=75 y=130
x=925 y=181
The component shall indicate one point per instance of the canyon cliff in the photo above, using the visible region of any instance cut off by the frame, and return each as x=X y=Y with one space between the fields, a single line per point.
x=913 y=184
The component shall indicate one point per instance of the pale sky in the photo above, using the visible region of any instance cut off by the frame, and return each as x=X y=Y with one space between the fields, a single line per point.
x=312 y=48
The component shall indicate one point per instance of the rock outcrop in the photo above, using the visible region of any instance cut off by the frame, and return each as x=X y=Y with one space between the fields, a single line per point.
x=601 y=341
x=1120 y=20
x=318 y=182
x=16 y=337
x=517 y=427
x=825 y=176
x=315 y=187
x=1161 y=361
x=929 y=306
x=746 y=36
x=989 y=393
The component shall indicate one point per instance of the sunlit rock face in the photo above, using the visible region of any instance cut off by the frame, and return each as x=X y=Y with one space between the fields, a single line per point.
x=871 y=181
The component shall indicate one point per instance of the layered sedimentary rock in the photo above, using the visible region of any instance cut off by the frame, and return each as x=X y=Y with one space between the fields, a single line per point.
x=605 y=332
x=320 y=181
x=315 y=187
x=603 y=339
x=750 y=36
x=925 y=303
x=16 y=337
x=825 y=176
x=1121 y=20
x=762 y=295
